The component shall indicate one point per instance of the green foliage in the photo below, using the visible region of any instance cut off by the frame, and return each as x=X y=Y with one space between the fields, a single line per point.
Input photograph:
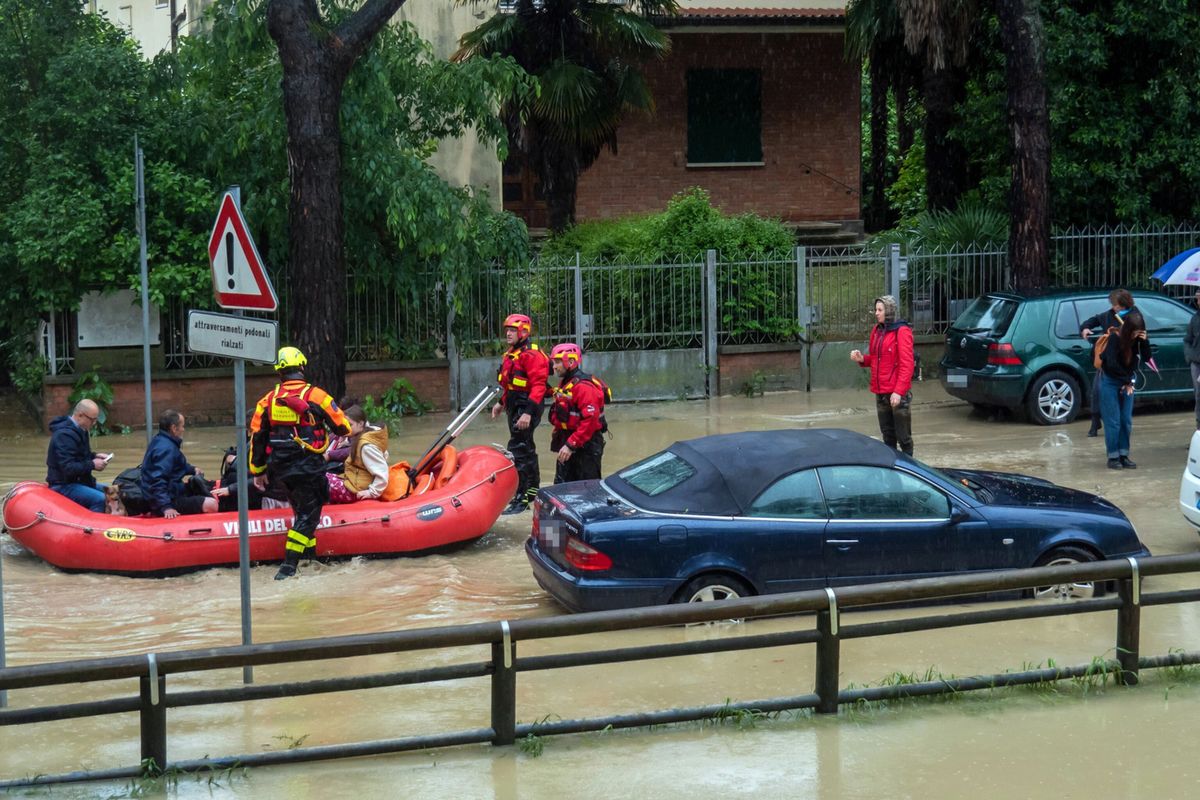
x=400 y=400
x=969 y=227
x=754 y=387
x=907 y=195
x=90 y=386
x=531 y=745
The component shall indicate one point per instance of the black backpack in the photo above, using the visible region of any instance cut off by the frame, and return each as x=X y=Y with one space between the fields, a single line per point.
x=129 y=484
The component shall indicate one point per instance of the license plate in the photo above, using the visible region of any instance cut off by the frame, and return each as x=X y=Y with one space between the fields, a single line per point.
x=956 y=377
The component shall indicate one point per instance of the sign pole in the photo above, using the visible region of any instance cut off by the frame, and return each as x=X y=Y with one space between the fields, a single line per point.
x=3 y=692
x=239 y=399
x=140 y=192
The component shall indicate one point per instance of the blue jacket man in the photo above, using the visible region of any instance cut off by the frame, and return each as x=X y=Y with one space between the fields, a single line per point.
x=169 y=483
x=70 y=460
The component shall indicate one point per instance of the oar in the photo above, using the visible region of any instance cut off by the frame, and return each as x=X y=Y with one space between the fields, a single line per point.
x=456 y=427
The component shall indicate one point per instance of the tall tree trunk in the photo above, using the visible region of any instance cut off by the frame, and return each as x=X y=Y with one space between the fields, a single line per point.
x=316 y=60
x=902 y=90
x=877 y=219
x=558 y=169
x=1029 y=124
x=945 y=158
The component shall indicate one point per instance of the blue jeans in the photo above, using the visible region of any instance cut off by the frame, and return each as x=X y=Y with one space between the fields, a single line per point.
x=1116 y=409
x=86 y=496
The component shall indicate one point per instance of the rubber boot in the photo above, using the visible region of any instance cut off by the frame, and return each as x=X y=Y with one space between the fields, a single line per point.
x=288 y=568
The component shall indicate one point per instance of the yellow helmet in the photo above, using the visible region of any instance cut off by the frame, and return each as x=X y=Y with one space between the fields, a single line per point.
x=290 y=358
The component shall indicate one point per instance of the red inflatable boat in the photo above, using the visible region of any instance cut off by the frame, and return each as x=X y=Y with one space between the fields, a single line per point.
x=72 y=538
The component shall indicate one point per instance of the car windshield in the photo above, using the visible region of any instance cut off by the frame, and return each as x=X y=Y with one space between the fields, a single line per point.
x=987 y=315
x=658 y=473
x=962 y=484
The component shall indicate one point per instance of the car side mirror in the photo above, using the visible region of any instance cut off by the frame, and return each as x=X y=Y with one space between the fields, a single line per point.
x=958 y=514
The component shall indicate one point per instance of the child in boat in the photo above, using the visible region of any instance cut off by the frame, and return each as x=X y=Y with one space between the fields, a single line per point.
x=366 y=467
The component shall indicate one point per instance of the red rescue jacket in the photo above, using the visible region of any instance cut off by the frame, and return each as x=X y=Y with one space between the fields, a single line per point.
x=578 y=407
x=889 y=356
x=523 y=374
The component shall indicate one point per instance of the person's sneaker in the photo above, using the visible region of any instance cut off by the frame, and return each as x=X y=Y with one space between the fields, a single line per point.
x=285 y=571
x=1127 y=464
x=1114 y=463
x=1094 y=432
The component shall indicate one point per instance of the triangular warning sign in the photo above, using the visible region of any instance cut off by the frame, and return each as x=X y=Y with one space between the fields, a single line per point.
x=239 y=279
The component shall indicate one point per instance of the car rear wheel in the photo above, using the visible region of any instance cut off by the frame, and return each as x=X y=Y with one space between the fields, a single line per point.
x=706 y=588
x=1061 y=557
x=1054 y=399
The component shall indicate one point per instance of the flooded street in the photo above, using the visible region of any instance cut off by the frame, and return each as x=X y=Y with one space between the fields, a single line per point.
x=1075 y=741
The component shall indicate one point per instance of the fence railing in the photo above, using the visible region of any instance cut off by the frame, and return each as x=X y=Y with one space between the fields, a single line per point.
x=825 y=293
x=503 y=664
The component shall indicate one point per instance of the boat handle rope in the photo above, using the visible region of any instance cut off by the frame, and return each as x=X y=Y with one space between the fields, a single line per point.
x=833 y=612
x=1136 y=579
x=170 y=537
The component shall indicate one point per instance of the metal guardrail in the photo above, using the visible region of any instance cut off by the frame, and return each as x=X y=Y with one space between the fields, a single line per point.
x=153 y=700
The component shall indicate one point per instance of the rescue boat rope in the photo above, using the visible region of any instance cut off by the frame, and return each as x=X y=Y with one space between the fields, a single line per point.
x=173 y=537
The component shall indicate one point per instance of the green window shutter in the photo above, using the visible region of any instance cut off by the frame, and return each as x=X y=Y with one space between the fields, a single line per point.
x=724 y=116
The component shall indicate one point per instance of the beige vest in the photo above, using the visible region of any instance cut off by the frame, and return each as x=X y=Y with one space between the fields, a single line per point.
x=356 y=476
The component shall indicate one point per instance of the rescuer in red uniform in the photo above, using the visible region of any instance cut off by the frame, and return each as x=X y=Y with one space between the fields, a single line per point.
x=577 y=414
x=523 y=374
x=288 y=438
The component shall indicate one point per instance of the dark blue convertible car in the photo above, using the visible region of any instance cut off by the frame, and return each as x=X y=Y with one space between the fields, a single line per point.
x=777 y=511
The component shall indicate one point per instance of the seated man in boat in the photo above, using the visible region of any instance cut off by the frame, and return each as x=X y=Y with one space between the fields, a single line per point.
x=365 y=474
x=170 y=485
x=70 y=460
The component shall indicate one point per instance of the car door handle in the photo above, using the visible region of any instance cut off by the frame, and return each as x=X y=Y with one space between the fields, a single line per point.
x=1076 y=349
x=841 y=541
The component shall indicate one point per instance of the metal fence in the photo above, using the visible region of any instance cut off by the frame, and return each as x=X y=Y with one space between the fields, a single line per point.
x=814 y=293
x=504 y=662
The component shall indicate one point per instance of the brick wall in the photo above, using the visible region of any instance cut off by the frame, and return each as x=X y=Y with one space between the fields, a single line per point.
x=810 y=116
x=206 y=396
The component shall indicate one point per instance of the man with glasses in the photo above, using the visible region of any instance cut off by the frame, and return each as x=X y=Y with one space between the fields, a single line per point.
x=70 y=460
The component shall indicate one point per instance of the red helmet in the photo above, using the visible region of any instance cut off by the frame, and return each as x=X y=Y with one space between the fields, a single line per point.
x=522 y=323
x=571 y=355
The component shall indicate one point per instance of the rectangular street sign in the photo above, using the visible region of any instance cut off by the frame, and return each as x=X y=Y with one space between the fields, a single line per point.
x=247 y=338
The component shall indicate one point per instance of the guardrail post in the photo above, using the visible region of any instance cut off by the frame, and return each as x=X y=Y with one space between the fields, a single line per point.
x=504 y=690
x=828 y=657
x=1129 y=626
x=154 y=721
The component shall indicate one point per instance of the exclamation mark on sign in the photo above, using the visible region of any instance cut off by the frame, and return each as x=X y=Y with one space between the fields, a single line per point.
x=229 y=257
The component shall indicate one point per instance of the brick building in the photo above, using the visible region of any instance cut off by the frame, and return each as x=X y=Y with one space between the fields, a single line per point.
x=757 y=105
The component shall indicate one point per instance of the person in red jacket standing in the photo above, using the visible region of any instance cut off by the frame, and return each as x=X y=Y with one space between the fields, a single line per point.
x=523 y=381
x=890 y=358
x=577 y=414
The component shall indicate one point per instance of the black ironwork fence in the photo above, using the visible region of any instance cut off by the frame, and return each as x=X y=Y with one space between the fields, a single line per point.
x=504 y=663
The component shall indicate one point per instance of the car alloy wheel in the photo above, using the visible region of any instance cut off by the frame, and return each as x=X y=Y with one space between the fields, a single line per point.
x=1081 y=590
x=1054 y=399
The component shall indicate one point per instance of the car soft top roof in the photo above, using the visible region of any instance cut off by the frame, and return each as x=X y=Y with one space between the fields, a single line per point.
x=734 y=468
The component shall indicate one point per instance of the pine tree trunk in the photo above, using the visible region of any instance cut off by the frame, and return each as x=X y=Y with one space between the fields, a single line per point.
x=877 y=219
x=1029 y=124
x=558 y=169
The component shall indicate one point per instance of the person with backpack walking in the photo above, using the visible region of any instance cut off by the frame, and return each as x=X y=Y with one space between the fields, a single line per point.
x=288 y=438
x=1119 y=299
x=577 y=414
x=890 y=357
x=524 y=370
x=1119 y=354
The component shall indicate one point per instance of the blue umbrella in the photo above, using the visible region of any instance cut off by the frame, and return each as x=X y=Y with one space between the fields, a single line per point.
x=1182 y=270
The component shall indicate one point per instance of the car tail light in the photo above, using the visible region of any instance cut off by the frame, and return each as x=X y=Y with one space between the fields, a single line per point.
x=1003 y=355
x=583 y=556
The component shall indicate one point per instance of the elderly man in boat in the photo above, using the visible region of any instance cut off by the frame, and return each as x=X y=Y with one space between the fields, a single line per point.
x=70 y=460
x=170 y=484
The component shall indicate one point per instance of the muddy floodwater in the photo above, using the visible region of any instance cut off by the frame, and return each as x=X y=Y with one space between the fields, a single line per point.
x=1078 y=739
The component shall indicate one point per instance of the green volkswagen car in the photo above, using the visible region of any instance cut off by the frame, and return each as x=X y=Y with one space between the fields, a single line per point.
x=1024 y=352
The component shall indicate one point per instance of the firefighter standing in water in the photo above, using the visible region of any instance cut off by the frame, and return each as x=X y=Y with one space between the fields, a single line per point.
x=288 y=436
x=523 y=374
x=577 y=414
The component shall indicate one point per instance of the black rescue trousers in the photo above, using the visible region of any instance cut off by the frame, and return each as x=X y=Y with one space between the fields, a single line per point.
x=307 y=492
x=895 y=423
x=584 y=463
x=524 y=453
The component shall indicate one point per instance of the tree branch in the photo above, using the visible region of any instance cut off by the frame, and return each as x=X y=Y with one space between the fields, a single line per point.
x=352 y=36
x=293 y=25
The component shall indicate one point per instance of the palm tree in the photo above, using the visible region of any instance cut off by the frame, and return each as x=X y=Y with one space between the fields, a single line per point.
x=586 y=56
x=940 y=30
x=874 y=32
